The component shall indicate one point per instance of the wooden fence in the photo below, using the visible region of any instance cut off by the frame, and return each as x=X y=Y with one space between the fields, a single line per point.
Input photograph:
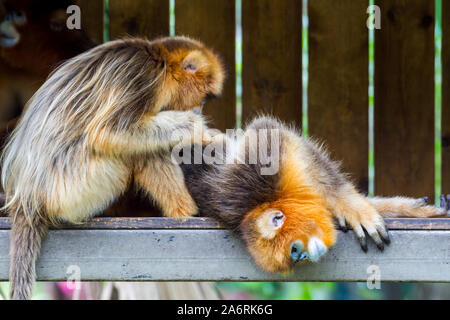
x=338 y=113
x=338 y=81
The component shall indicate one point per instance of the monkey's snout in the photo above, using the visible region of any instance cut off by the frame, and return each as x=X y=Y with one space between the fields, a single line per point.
x=316 y=249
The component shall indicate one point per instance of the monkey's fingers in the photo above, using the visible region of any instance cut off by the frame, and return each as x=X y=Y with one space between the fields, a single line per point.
x=424 y=199
x=376 y=229
x=342 y=222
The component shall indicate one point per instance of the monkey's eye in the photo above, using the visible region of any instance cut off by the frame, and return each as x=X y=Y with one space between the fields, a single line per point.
x=18 y=17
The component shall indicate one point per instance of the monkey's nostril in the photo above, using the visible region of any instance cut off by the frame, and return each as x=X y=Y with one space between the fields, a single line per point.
x=296 y=252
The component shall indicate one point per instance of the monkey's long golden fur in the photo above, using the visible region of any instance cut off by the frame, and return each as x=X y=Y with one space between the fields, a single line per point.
x=103 y=119
x=287 y=217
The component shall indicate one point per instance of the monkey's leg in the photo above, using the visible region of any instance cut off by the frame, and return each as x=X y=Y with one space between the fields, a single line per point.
x=72 y=200
x=343 y=200
x=88 y=192
x=407 y=207
x=163 y=180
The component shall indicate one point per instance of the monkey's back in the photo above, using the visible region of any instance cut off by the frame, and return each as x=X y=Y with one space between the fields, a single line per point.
x=229 y=191
x=107 y=87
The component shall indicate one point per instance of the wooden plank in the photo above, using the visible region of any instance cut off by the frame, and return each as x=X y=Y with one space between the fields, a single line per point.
x=404 y=99
x=418 y=224
x=338 y=82
x=92 y=15
x=272 y=73
x=138 y=18
x=217 y=255
x=213 y=22
x=147 y=223
x=445 y=120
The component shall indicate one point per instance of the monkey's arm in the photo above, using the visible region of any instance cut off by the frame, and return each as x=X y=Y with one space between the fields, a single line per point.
x=163 y=180
x=347 y=205
x=159 y=132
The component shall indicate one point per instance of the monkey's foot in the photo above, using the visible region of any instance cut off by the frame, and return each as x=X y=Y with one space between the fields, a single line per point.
x=181 y=208
x=445 y=203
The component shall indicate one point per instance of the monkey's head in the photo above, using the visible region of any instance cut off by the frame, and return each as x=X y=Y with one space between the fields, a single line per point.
x=291 y=230
x=34 y=35
x=193 y=73
x=292 y=225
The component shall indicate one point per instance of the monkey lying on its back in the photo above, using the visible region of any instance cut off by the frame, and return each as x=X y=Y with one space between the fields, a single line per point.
x=286 y=216
x=103 y=119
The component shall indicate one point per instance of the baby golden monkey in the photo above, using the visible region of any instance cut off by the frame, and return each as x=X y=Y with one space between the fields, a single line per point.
x=285 y=216
x=102 y=119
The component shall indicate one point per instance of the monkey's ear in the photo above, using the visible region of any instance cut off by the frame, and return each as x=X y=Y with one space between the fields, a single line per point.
x=193 y=62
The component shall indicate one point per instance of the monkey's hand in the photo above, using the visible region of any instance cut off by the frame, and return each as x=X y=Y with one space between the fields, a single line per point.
x=191 y=129
x=356 y=211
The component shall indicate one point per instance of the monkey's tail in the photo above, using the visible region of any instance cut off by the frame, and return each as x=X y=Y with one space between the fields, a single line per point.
x=406 y=207
x=26 y=238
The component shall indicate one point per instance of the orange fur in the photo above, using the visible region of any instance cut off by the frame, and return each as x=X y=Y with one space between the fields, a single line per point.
x=306 y=216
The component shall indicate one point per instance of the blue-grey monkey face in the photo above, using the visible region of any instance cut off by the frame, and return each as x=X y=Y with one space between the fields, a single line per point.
x=315 y=250
x=9 y=35
x=297 y=253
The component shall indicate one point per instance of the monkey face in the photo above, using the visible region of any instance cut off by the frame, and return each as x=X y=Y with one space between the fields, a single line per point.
x=39 y=27
x=288 y=231
x=294 y=227
x=194 y=74
x=12 y=21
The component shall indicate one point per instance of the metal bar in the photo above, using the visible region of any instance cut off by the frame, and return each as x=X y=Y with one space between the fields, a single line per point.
x=216 y=255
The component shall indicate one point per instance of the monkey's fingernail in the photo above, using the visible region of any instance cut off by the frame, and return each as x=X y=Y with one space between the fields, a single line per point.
x=443 y=201
x=384 y=234
x=363 y=243
x=386 y=238
x=374 y=234
x=380 y=246
x=342 y=223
